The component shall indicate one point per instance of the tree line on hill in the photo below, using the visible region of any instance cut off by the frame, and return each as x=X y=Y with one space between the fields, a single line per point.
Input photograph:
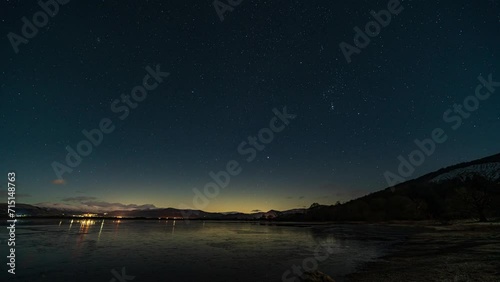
x=468 y=197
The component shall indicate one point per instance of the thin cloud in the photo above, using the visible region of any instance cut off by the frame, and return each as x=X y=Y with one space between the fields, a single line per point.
x=117 y=206
x=83 y=203
x=78 y=199
x=58 y=181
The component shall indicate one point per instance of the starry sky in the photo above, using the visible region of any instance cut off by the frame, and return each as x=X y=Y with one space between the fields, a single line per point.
x=352 y=119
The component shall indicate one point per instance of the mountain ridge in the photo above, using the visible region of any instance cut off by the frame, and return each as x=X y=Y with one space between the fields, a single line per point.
x=34 y=210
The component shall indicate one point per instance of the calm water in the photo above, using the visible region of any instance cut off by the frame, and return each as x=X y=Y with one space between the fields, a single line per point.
x=152 y=250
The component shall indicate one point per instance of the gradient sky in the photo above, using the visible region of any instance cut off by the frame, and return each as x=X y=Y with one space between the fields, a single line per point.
x=353 y=120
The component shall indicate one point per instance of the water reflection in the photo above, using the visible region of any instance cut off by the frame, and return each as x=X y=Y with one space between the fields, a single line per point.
x=225 y=247
x=71 y=224
x=85 y=225
x=100 y=231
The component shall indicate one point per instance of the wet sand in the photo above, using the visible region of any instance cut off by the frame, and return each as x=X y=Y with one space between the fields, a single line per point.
x=456 y=253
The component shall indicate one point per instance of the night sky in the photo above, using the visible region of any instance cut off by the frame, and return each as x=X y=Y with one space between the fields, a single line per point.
x=352 y=119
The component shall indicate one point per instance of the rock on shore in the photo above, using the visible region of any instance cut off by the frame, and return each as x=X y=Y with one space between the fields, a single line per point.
x=316 y=276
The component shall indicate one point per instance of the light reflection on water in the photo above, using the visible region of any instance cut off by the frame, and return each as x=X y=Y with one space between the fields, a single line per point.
x=154 y=250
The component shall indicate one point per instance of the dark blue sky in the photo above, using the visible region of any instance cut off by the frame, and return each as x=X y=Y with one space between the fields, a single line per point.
x=352 y=120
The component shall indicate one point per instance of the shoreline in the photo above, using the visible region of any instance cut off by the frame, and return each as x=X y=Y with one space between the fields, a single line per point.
x=456 y=253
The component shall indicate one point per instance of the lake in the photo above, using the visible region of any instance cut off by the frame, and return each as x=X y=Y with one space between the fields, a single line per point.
x=167 y=250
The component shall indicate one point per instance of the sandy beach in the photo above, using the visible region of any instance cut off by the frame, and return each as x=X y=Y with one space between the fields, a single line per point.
x=458 y=253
